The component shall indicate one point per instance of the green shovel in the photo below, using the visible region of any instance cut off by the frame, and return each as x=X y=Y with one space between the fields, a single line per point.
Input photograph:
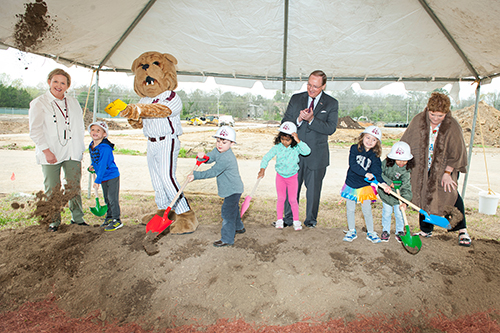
x=412 y=244
x=98 y=210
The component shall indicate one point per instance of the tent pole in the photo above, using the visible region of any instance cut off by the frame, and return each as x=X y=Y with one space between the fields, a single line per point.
x=472 y=132
x=285 y=45
x=127 y=32
x=94 y=118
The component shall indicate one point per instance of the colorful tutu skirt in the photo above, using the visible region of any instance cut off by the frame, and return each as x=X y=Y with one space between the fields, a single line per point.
x=359 y=194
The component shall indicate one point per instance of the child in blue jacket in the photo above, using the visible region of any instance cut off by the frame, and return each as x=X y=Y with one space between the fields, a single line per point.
x=107 y=174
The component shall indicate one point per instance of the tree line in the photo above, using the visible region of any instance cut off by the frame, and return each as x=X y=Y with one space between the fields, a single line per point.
x=369 y=107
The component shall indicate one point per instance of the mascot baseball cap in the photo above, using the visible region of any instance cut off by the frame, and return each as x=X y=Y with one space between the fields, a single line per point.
x=101 y=124
x=400 y=151
x=375 y=131
x=227 y=133
x=288 y=128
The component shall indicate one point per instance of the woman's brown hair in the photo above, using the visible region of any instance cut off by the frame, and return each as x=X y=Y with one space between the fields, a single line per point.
x=439 y=103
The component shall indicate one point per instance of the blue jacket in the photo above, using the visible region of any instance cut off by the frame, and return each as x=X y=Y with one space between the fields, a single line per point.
x=360 y=163
x=103 y=161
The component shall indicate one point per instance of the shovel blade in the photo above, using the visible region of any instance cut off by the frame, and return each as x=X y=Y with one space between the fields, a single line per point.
x=98 y=210
x=412 y=244
x=436 y=220
x=159 y=223
x=245 y=205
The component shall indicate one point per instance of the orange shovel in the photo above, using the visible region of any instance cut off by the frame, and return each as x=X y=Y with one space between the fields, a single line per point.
x=159 y=223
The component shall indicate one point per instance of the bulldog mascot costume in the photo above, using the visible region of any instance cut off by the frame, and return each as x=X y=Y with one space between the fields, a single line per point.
x=158 y=114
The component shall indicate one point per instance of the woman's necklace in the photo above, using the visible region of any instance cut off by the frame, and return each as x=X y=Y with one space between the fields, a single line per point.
x=65 y=115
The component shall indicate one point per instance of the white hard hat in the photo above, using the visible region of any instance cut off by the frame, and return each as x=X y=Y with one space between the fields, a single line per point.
x=375 y=131
x=288 y=128
x=101 y=124
x=400 y=151
x=226 y=132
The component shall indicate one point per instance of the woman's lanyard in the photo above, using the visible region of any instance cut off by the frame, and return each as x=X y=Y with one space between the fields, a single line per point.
x=65 y=116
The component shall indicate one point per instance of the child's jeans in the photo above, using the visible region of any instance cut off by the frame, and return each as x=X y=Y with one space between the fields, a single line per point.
x=366 y=208
x=292 y=185
x=111 y=193
x=387 y=215
x=231 y=219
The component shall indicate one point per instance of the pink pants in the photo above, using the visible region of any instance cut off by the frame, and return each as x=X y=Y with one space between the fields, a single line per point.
x=292 y=185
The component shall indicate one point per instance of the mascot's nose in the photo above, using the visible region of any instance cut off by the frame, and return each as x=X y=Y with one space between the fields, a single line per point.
x=145 y=66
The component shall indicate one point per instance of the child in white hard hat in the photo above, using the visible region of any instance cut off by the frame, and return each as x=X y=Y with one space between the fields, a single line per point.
x=396 y=170
x=107 y=174
x=287 y=148
x=364 y=162
x=229 y=184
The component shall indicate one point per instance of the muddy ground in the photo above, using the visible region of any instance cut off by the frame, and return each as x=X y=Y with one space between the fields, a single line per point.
x=269 y=277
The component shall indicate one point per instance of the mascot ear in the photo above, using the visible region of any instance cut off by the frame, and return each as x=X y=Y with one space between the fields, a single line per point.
x=170 y=58
x=135 y=64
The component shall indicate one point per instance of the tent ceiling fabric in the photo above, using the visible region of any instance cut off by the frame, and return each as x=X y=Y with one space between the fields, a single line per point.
x=372 y=41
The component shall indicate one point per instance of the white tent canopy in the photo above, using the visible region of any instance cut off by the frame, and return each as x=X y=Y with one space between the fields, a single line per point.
x=424 y=44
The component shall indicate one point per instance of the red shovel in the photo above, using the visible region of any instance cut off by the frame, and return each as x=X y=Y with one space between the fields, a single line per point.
x=159 y=223
x=246 y=202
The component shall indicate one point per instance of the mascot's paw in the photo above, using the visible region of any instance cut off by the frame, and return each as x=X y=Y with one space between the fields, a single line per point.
x=146 y=218
x=135 y=123
x=131 y=112
x=185 y=223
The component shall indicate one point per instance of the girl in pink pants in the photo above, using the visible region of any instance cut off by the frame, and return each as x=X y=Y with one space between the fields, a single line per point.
x=287 y=148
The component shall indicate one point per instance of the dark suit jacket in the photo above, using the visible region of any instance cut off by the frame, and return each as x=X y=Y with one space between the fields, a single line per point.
x=315 y=134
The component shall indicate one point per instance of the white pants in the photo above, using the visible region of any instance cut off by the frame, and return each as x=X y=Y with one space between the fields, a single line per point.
x=162 y=163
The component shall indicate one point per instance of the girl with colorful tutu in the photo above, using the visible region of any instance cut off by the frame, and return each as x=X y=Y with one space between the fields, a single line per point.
x=364 y=162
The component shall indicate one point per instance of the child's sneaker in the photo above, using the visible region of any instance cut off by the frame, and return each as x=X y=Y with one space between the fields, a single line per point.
x=385 y=236
x=112 y=226
x=279 y=224
x=350 y=235
x=398 y=236
x=297 y=225
x=373 y=237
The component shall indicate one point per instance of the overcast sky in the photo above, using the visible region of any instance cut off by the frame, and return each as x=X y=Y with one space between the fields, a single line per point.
x=32 y=69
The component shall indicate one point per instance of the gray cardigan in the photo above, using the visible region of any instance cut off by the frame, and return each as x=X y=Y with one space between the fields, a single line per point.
x=226 y=170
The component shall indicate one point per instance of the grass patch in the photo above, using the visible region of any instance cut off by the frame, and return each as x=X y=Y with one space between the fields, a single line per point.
x=28 y=147
x=262 y=210
x=186 y=153
x=123 y=151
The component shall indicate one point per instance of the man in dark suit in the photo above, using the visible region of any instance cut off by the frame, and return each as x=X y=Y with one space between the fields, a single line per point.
x=316 y=115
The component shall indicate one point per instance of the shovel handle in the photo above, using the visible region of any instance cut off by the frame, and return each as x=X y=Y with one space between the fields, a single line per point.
x=402 y=210
x=198 y=163
x=95 y=190
x=255 y=186
x=408 y=202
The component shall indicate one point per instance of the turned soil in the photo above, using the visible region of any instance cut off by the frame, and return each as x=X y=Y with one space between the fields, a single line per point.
x=269 y=276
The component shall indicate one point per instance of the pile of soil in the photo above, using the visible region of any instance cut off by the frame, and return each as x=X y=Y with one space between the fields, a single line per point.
x=112 y=125
x=488 y=121
x=269 y=277
x=348 y=123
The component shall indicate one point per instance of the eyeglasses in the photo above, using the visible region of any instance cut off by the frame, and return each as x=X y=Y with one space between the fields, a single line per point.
x=310 y=85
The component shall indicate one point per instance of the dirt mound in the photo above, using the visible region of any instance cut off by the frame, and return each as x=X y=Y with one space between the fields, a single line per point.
x=348 y=123
x=112 y=125
x=268 y=277
x=488 y=118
